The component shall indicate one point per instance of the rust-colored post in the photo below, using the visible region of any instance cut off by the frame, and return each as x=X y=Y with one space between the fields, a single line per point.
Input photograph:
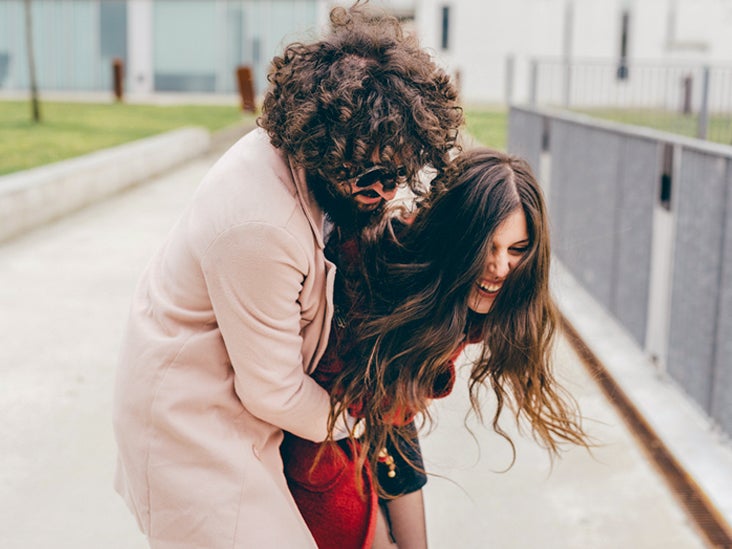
x=117 y=78
x=246 y=88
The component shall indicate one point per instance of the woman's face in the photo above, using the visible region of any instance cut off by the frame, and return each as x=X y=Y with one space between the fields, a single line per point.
x=510 y=243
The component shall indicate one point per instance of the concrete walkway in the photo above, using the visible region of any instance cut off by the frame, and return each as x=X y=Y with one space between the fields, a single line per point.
x=64 y=293
x=612 y=498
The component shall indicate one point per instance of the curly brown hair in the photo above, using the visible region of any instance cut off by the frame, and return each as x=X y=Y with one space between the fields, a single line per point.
x=364 y=89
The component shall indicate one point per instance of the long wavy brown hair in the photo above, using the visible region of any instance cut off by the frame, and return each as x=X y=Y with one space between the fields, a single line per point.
x=410 y=311
x=364 y=88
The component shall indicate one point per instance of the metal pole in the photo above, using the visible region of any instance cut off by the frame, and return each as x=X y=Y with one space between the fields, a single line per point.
x=704 y=107
x=510 y=65
x=32 y=79
x=567 y=50
x=533 y=82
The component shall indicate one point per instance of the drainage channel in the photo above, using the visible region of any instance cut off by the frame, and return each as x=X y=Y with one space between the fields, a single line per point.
x=704 y=515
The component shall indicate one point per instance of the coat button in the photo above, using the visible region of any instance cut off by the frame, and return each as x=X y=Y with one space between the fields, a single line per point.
x=255 y=451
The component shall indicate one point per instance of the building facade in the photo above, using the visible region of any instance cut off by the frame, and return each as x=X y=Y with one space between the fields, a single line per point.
x=165 y=45
x=490 y=45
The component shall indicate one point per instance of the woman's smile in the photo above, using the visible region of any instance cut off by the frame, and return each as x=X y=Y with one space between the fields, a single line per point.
x=489 y=288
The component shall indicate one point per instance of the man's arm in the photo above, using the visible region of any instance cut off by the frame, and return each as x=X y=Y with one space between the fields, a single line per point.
x=254 y=273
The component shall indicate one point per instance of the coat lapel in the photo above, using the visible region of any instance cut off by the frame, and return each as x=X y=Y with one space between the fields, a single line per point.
x=311 y=208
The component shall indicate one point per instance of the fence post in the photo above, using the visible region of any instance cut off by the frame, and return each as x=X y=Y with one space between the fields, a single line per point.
x=660 y=276
x=567 y=52
x=510 y=65
x=567 y=93
x=118 y=79
x=687 y=84
x=704 y=108
x=533 y=82
x=245 y=84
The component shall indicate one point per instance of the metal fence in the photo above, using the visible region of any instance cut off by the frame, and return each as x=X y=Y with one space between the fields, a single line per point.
x=692 y=100
x=643 y=219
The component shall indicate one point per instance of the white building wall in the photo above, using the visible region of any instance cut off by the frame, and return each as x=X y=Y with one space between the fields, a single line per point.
x=484 y=36
x=485 y=33
x=140 y=46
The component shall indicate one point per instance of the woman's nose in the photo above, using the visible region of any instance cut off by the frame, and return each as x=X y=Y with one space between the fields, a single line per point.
x=499 y=265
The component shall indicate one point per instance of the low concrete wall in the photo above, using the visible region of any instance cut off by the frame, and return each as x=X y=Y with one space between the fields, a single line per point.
x=33 y=197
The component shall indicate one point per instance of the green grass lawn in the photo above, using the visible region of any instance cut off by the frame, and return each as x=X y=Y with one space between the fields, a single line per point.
x=719 y=128
x=488 y=125
x=73 y=129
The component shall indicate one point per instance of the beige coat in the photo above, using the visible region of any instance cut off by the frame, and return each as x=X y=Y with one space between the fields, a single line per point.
x=226 y=322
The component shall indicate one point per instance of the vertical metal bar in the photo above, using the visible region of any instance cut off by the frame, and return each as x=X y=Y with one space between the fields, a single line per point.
x=509 y=76
x=658 y=322
x=567 y=52
x=704 y=107
x=533 y=82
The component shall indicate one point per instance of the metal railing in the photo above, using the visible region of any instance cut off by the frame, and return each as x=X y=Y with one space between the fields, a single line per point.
x=691 y=100
x=643 y=220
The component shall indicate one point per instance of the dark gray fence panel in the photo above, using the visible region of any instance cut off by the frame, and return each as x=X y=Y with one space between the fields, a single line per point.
x=640 y=167
x=604 y=182
x=722 y=386
x=583 y=197
x=524 y=137
x=602 y=194
x=695 y=293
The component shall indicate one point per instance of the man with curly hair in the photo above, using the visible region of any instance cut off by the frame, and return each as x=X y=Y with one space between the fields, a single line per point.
x=234 y=311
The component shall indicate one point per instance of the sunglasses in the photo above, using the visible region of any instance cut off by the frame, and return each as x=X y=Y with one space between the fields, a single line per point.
x=379 y=174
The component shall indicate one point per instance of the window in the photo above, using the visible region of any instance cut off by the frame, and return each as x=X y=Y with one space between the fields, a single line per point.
x=113 y=28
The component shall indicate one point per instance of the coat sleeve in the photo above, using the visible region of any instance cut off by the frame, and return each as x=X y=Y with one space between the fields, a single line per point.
x=254 y=273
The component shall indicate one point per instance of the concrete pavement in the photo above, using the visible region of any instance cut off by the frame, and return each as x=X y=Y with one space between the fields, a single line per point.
x=611 y=498
x=64 y=293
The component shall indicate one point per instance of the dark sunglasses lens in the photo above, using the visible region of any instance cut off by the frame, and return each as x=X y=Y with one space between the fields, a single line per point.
x=373 y=177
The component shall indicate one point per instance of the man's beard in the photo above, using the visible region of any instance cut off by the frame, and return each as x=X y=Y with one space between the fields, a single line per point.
x=341 y=209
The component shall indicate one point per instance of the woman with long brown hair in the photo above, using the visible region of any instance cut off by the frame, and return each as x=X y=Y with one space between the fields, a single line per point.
x=472 y=267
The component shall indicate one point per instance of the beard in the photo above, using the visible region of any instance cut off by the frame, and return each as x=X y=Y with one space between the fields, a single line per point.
x=340 y=208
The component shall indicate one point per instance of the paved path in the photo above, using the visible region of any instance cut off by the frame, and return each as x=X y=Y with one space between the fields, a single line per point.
x=64 y=292
x=610 y=499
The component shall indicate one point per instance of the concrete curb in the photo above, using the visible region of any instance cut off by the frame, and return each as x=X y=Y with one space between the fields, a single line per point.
x=701 y=450
x=33 y=197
